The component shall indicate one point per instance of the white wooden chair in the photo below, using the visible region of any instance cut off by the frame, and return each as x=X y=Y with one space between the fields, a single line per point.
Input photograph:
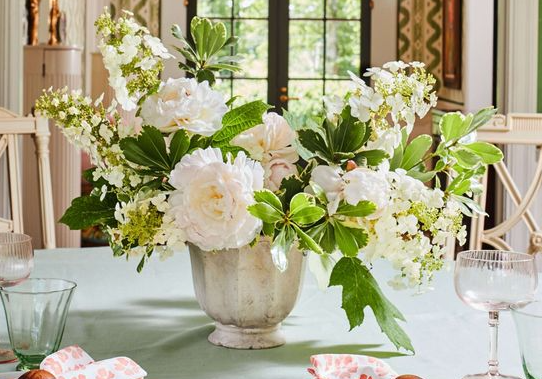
x=12 y=126
x=523 y=129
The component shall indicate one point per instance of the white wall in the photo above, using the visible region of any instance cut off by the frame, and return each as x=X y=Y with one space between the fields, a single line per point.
x=519 y=88
x=477 y=82
x=383 y=32
x=172 y=12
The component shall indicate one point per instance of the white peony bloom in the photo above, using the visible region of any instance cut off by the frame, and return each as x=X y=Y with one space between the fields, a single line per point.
x=185 y=104
x=364 y=184
x=271 y=144
x=210 y=204
x=276 y=170
x=329 y=178
x=272 y=138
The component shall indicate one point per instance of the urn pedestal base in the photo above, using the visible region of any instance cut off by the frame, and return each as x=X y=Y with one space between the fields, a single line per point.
x=235 y=337
x=245 y=294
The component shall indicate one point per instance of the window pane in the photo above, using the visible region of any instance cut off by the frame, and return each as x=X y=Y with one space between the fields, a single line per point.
x=307 y=8
x=251 y=8
x=310 y=94
x=337 y=87
x=224 y=87
x=249 y=90
x=343 y=48
x=306 y=49
x=252 y=46
x=343 y=9
x=214 y=8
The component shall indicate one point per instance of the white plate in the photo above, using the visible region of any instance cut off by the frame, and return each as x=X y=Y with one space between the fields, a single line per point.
x=10 y=375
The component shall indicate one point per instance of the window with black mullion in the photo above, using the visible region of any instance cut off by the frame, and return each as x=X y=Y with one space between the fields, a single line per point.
x=294 y=49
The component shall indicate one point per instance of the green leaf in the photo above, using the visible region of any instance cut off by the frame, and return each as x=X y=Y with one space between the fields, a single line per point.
x=462 y=187
x=268 y=229
x=86 y=211
x=289 y=187
x=314 y=142
x=281 y=247
x=361 y=236
x=148 y=149
x=416 y=150
x=397 y=158
x=238 y=120
x=268 y=197
x=361 y=290
x=348 y=137
x=466 y=158
x=481 y=118
x=206 y=75
x=471 y=204
x=327 y=241
x=489 y=153
x=306 y=241
x=178 y=147
x=370 y=157
x=265 y=212
x=452 y=126
x=418 y=172
x=362 y=209
x=199 y=142
x=345 y=239
x=300 y=201
x=307 y=215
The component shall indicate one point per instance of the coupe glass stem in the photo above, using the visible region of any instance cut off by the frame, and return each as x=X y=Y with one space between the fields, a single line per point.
x=493 y=343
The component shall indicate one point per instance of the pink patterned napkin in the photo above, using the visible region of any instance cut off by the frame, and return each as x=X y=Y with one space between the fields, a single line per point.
x=346 y=366
x=73 y=362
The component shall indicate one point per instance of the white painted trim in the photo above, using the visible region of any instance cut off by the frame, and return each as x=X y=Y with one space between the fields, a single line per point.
x=477 y=79
x=11 y=75
x=519 y=68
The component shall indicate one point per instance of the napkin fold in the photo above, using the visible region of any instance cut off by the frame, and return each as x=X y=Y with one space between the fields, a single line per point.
x=73 y=362
x=347 y=366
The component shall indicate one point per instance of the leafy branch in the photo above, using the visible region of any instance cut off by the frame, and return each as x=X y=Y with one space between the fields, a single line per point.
x=202 y=54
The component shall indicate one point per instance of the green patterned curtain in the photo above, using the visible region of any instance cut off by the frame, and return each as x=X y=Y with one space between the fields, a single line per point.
x=420 y=34
x=420 y=39
x=146 y=12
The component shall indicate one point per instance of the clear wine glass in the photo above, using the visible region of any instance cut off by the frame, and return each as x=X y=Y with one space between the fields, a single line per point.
x=16 y=263
x=492 y=281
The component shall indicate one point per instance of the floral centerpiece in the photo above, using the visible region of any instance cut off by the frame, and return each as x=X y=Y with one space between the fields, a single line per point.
x=347 y=186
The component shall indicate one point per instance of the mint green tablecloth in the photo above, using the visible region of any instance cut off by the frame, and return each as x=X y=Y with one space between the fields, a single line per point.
x=154 y=318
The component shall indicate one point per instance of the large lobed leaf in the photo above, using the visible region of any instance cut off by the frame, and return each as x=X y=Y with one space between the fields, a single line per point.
x=360 y=290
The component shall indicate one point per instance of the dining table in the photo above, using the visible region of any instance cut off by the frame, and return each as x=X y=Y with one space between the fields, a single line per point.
x=154 y=318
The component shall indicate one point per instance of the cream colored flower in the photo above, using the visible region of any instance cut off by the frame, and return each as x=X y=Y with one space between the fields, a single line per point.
x=271 y=144
x=276 y=170
x=185 y=104
x=210 y=204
